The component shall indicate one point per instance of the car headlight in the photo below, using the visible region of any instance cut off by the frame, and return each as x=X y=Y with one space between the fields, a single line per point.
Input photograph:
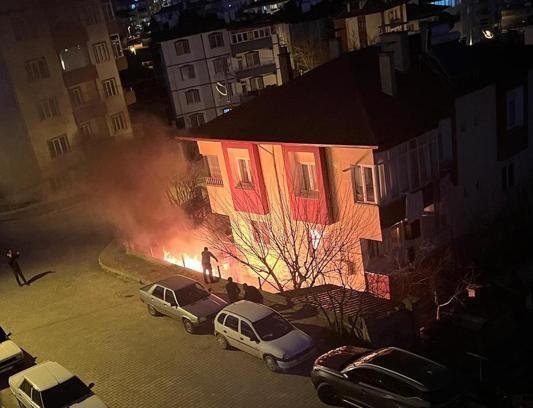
x=202 y=319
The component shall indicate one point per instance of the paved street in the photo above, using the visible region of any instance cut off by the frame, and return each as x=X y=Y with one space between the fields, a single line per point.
x=94 y=324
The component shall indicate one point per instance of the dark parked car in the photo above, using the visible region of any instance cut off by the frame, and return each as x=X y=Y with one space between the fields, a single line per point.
x=386 y=378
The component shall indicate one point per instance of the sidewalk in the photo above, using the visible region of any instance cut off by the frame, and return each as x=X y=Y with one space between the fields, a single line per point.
x=137 y=267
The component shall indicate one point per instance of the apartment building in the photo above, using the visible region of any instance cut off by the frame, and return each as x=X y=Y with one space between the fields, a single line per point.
x=381 y=134
x=210 y=72
x=61 y=92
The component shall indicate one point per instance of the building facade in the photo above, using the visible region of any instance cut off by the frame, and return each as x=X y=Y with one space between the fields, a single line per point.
x=63 y=93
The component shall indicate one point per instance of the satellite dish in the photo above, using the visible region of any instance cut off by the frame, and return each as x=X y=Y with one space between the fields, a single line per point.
x=221 y=89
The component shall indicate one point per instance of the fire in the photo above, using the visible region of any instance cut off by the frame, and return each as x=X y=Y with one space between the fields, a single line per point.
x=191 y=262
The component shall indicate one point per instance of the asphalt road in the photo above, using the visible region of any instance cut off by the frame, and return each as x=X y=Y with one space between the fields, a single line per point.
x=94 y=324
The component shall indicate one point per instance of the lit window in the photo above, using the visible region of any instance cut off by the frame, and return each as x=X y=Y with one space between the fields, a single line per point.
x=182 y=47
x=58 y=146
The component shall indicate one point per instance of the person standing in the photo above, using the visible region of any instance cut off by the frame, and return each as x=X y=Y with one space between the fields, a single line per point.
x=232 y=289
x=252 y=294
x=12 y=257
x=206 y=264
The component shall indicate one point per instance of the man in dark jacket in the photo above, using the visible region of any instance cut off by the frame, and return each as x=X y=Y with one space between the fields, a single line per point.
x=232 y=289
x=252 y=294
x=12 y=256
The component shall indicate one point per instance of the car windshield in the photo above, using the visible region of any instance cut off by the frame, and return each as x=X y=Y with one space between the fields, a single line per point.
x=190 y=294
x=3 y=336
x=65 y=394
x=272 y=327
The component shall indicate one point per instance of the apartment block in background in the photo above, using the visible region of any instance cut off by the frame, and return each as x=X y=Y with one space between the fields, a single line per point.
x=61 y=92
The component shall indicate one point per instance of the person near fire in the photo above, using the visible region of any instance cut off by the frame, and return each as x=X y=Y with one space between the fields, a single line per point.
x=232 y=289
x=206 y=265
x=12 y=257
x=252 y=294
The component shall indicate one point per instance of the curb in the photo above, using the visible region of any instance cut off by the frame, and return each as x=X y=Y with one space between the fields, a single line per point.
x=118 y=272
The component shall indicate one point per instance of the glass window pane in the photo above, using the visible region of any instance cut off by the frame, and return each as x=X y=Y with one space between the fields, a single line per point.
x=358 y=184
x=369 y=184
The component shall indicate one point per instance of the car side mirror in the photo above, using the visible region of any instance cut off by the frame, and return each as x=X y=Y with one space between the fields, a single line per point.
x=255 y=339
x=91 y=385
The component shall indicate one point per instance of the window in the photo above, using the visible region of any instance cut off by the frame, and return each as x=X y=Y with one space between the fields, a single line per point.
x=196 y=120
x=213 y=167
x=76 y=96
x=36 y=69
x=216 y=40
x=260 y=232
x=101 y=52
x=116 y=46
x=85 y=130
x=256 y=83
x=36 y=397
x=232 y=323
x=515 y=108
x=366 y=376
x=26 y=387
x=246 y=330
x=307 y=184
x=158 y=292
x=48 y=108
x=244 y=173
x=170 y=298
x=187 y=72
x=182 y=47
x=220 y=65
x=192 y=96
x=374 y=248
x=395 y=237
x=252 y=59
x=119 y=122
x=364 y=183
x=58 y=146
x=90 y=14
x=221 y=318
x=315 y=237
x=107 y=8
x=110 y=87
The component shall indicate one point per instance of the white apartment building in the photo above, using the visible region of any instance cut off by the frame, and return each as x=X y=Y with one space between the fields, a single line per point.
x=209 y=73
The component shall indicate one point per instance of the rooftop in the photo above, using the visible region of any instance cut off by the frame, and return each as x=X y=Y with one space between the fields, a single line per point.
x=176 y=282
x=47 y=375
x=371 y=7
x=339 y=103
x=252 y=311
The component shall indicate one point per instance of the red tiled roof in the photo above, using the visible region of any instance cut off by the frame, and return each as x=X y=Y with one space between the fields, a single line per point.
x=340 y=103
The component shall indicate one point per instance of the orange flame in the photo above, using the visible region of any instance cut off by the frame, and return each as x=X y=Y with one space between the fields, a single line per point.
x=191 y=262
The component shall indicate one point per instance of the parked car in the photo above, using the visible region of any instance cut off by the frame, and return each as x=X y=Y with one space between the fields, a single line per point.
x=10 y=353
x=184 y=299
x=260 y=331
x=386 y=378
x=50 y=385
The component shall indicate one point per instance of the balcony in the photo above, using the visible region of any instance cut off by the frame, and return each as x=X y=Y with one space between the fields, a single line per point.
x=129 y=96
x=122 y=63
x=265 y=42
x=215 y=182
x=79 y=75
x=67 y=34
x=258 y=70
x=93 y=109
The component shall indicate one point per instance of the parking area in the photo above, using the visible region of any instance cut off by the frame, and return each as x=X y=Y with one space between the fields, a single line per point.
x=94 y=324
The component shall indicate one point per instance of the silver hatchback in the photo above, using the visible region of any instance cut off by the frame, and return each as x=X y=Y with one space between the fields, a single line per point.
x=262 y=332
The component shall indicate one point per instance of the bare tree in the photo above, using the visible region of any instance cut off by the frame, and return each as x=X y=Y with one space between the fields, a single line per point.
x=309 y=54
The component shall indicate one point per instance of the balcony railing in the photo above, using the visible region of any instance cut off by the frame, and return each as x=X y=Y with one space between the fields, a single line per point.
x=252 y=45
x=212 y=181
x=256 y=71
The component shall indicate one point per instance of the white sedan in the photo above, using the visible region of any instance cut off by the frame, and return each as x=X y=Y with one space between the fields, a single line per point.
x=50 y=385
x=260 y=331
x=10 y=353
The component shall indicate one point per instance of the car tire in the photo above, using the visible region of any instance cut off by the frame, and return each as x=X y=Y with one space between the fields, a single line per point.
x=326 y=394
x=153 y=311
x=188 y=326
x=222 y=342
x=271 y=363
